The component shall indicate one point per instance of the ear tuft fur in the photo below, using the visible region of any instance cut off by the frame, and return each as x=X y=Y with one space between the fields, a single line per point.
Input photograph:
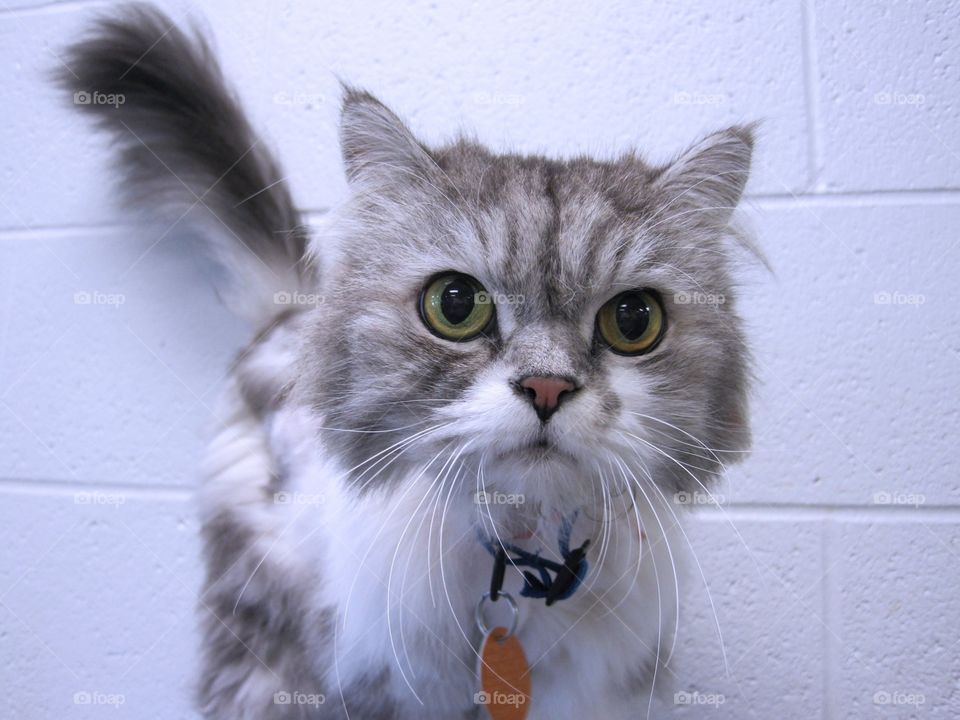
x=376 y=145
x=705 y=183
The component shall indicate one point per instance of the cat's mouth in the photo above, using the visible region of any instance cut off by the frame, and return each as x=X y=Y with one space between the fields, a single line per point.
x=540 y=450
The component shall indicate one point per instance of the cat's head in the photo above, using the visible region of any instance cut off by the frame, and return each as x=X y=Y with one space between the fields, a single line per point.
x=539 y=326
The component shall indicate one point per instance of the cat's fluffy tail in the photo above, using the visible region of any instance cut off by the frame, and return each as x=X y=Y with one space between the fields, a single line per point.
x=188 y=153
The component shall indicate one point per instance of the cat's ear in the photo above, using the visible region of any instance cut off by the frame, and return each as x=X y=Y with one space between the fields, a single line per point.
x=705 y=183
x=375 y=144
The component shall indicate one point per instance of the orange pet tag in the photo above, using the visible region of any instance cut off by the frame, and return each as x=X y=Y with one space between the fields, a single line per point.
x=504 y=676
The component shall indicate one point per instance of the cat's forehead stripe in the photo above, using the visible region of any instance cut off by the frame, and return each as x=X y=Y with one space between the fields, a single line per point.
x=555 y=231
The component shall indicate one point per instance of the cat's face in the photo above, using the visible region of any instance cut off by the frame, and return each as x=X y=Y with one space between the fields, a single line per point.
x=534 y=325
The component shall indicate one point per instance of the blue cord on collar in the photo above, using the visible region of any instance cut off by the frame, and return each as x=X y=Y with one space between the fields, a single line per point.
x=567 y=576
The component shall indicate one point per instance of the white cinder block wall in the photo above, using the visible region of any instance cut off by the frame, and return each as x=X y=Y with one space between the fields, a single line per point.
x=833 y=562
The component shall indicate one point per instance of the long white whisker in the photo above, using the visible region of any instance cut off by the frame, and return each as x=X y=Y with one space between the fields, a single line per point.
x=656 y=516
x=697 y=443
x=696 y=559
x=709 y=494
x=433 y=515
x=413 y=515
x=636 y=574
x=430 y=563
x=410 y=486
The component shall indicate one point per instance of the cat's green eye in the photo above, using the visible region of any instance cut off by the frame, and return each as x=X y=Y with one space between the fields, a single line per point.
x=632 y=323
x=456 y=307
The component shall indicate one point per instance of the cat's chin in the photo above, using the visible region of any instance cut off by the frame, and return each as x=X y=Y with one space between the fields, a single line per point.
x=540 y=473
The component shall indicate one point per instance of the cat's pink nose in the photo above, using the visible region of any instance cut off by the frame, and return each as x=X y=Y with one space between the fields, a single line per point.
x=545 y=393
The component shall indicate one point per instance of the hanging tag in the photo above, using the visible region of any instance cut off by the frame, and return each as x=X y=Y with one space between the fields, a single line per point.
x=502 y=669
x=504 y=676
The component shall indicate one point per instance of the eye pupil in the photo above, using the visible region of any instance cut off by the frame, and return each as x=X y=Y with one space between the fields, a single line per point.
x=632 y=315
x=457 y=301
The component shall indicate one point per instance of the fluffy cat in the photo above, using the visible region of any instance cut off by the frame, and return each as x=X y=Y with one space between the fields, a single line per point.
x=499 y=353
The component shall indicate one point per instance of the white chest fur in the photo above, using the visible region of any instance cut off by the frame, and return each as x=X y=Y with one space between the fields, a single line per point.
x=403 y=570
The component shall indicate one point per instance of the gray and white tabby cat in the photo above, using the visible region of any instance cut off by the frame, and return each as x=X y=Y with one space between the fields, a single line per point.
x=496 y=328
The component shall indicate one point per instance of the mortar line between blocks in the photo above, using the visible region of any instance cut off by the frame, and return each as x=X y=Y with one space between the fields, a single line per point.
x=856 y=199
x=811 y=72
x=780 y=512
x=73 y=488
x=314 y=219
x=830 y=653
x=54 y=6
